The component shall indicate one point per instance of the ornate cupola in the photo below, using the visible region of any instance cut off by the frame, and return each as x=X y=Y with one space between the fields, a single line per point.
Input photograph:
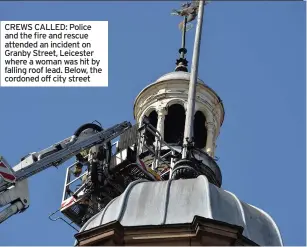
x=163 y=104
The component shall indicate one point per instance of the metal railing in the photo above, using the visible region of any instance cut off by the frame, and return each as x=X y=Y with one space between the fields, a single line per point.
x=157 y=147
x=69 y=181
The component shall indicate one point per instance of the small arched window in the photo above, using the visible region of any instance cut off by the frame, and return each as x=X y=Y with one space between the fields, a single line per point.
x=200 y=130
x=153 y=120
x=174 y=124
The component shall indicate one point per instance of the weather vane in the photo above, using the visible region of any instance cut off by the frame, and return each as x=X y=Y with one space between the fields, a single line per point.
x=188 y=11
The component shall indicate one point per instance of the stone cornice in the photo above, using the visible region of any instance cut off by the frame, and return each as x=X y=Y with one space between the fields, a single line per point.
x=201 y=231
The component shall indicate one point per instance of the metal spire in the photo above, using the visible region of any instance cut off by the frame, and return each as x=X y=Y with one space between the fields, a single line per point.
x=189 y=12
x=188 y=131
x=182 y=62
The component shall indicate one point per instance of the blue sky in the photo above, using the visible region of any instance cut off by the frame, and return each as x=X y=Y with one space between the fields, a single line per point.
x=252 y=55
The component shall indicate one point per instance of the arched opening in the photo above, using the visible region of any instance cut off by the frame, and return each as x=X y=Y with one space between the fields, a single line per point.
x=174 y=124
x=153 y=120
x=200 y=130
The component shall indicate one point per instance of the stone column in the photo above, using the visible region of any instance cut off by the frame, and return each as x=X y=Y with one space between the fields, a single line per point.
x=210 y=144
x=161 y=117
x=160 y=128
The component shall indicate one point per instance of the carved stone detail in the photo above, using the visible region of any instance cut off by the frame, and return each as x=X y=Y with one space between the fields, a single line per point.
x=210 y=126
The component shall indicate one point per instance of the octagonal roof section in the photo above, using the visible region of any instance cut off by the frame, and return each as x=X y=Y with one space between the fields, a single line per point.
x=177 y=75
x=178 y=201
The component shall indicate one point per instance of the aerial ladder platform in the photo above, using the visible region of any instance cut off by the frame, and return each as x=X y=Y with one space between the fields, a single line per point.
x=97 y=176
x=14 y=193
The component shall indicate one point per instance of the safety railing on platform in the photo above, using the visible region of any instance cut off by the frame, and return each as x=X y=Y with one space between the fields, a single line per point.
x=157 y=148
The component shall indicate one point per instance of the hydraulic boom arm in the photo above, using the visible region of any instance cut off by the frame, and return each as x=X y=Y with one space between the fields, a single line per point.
x=13 y=182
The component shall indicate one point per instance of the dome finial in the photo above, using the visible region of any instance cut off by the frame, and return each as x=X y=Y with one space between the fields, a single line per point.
x=189 y=12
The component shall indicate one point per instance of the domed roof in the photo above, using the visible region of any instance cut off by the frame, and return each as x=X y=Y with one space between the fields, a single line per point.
x=175 y=76
x=178 y=201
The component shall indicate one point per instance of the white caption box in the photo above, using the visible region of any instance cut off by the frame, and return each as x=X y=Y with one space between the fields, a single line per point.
x=54 y=54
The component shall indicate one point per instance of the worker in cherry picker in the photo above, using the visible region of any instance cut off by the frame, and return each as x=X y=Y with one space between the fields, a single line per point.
x=81 y=158
x=77 y=171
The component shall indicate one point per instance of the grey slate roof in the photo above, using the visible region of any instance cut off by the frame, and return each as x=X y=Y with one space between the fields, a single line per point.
x=178 y=201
